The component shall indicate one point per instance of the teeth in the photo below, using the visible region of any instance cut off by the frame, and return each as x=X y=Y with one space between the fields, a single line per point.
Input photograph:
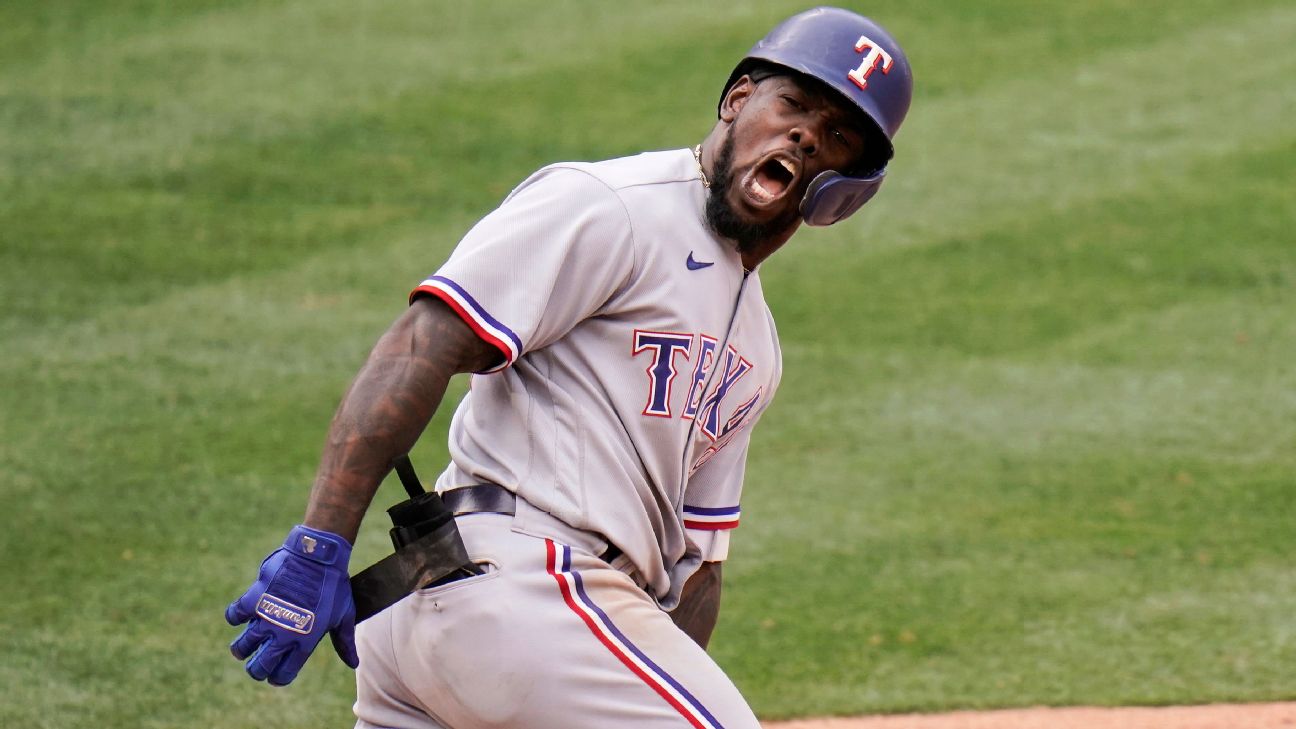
x=758 y=190
x=788 y=166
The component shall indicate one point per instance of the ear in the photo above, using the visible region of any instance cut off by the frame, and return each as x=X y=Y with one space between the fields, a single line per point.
x=736 y=98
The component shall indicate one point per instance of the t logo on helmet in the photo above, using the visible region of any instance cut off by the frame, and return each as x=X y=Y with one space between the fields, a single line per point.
x=875 y=54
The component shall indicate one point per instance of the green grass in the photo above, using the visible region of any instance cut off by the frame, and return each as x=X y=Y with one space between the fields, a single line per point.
x=1035 y=441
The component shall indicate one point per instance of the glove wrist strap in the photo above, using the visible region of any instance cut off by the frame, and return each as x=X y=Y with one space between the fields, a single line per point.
x=319 y=546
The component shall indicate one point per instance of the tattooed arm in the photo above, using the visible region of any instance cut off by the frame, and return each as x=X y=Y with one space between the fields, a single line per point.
x=387 y=407
x=699 y=606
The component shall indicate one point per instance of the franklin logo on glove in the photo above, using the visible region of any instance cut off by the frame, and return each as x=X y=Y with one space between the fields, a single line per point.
x=286 y=614
x=305 y=578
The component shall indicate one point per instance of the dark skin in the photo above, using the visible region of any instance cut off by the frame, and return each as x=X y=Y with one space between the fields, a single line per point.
x=387 y=407
x=699 y=606
x=780 y=118
x=402 y=383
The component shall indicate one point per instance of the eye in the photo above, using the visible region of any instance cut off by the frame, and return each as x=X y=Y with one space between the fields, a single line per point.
x=841 y=138
x=793 y=102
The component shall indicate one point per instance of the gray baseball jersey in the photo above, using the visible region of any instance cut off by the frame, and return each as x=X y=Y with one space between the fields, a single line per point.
x=636 y=355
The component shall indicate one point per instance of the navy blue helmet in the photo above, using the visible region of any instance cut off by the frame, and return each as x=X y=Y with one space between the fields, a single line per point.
x=859 y=60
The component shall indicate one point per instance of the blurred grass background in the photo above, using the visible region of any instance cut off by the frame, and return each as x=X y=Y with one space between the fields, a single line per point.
x=1036 y=440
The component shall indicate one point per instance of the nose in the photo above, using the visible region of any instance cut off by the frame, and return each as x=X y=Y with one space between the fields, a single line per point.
x=805 y=137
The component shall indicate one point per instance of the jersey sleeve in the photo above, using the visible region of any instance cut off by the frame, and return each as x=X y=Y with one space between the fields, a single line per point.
x=713 y=497
x=554 y=252
x=712 y=501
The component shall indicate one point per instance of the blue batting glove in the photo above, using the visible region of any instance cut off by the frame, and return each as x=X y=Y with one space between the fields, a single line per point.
x=301 y=592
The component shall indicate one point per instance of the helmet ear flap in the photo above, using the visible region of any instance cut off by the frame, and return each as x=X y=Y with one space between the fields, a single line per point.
x=832 y=197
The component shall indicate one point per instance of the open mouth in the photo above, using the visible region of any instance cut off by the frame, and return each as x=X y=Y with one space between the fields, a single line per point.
x=771 y=180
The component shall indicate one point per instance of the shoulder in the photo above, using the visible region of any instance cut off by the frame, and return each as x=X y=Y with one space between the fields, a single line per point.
x=606 y=191
x=620 y=174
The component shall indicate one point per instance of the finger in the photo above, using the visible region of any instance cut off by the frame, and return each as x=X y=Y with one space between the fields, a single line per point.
x=343 y=637
x=248 y=641
x=241 y=610
x=288 y=668
x=267 y=659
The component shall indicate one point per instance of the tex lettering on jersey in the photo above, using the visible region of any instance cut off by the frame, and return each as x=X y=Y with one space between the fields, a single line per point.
x=735 y=368
x=736 y=422
x=664 y=349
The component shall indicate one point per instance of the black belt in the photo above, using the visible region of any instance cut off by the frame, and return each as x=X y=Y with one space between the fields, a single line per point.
x=484 y=498
x=489 y=498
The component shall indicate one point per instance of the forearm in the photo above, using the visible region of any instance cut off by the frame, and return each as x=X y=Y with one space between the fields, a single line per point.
x=385 y=410
x=381 y=417
x=699 y=607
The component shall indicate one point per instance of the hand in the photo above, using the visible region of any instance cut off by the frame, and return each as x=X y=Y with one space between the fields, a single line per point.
x=301 y=592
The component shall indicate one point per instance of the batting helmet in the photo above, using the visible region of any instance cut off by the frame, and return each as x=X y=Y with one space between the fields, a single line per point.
x=859 y=60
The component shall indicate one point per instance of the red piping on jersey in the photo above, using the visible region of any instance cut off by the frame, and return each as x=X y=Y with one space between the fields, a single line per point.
x=710 y=525
x=467 y=316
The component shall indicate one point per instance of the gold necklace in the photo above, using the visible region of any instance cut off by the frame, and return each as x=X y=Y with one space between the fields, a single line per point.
x=697 y=156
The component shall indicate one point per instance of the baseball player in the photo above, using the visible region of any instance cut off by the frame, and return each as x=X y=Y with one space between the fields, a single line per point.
x=622 y=351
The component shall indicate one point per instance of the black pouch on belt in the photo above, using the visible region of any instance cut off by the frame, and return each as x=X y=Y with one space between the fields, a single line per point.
x=428 y=549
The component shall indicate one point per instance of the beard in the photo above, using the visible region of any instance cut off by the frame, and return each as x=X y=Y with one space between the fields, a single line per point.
x=724 y=220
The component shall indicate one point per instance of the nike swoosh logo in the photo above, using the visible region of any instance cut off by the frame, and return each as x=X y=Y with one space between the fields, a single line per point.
x=695 y=265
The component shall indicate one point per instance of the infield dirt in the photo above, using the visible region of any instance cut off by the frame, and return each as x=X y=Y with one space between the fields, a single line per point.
x=1216 y=716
